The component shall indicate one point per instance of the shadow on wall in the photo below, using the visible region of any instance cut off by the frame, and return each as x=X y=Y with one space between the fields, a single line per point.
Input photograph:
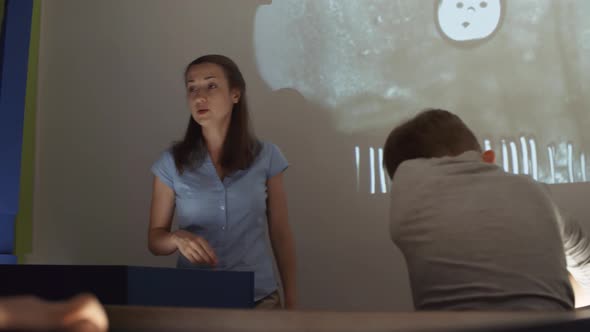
x=346 y=260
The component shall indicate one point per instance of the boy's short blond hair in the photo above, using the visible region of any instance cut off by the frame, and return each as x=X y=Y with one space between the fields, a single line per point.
x=430 y=134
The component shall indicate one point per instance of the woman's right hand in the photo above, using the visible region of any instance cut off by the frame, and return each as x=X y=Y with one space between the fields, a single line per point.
x=195 y=248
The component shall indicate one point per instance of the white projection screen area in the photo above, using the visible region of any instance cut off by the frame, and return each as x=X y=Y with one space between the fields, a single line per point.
x=517 y=72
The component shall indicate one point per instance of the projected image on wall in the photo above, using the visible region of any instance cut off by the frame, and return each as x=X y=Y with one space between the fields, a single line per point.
x=516 y=71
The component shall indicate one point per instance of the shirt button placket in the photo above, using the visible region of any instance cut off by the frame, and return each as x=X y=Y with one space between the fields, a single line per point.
x=222 y=207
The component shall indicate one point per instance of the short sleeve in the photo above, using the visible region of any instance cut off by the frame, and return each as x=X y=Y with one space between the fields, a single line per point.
x=165 y=169
x=278 y=162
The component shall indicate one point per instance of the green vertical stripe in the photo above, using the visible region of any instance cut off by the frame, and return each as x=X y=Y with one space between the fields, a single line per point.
x=2 y=5
x=24 y=218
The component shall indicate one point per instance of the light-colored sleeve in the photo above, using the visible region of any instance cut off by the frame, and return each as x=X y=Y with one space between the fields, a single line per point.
x=164 y=168
x=277 y=163
x=576 y=245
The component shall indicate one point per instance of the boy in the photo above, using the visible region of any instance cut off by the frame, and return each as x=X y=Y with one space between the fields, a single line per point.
x=473 y=236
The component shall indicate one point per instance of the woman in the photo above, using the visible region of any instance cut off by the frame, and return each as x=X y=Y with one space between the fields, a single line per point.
x=225 y=187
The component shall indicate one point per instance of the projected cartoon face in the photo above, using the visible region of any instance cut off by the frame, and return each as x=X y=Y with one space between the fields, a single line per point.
x=465 y=20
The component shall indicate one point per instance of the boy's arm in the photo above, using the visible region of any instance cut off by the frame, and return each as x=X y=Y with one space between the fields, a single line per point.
x=576 y=245
x=581 y=294
x=577 y=254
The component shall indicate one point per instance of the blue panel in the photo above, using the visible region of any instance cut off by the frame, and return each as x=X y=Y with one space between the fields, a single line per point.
x=7 y=259
x=17 y=31
x=122 y=285
x=7 y=233
x=149 y=286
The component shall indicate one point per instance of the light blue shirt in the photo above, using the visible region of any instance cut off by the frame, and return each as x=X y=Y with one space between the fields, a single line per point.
x=229 y=214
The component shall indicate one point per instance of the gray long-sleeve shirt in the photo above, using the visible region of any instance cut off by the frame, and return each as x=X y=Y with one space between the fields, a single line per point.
x=475 y=237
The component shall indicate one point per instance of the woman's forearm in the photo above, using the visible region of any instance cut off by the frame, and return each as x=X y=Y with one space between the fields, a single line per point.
x=162 y=242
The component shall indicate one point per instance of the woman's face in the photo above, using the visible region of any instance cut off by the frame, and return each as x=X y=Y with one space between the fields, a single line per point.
x=209 y=96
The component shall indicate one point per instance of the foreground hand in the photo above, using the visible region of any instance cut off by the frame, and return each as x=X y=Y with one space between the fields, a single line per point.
x=82 y=313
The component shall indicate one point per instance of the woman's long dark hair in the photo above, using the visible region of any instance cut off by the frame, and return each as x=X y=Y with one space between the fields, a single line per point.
x=240 y=147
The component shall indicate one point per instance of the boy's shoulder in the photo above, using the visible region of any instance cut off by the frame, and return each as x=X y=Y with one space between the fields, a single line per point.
x=464 y=170
x=420 y=168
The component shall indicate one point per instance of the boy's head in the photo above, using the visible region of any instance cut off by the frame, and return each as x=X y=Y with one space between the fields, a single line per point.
x=430 y=134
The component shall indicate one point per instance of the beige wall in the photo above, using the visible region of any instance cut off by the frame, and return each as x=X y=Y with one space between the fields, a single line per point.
x=111 y=99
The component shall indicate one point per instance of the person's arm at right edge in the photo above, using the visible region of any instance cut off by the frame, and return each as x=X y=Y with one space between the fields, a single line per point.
x=161 y=241
x=581 y=294
x=576 y=245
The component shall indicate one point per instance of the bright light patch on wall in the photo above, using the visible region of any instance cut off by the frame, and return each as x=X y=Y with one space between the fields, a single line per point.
x=534 y=161
x=357 y=163
x=551 y=152
x=570 y=161
x=372 y=167
x=382 y=172
x=583 y=166
x=514 y=156
x=525 y=155
x=487 y=145
x=505 y=159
